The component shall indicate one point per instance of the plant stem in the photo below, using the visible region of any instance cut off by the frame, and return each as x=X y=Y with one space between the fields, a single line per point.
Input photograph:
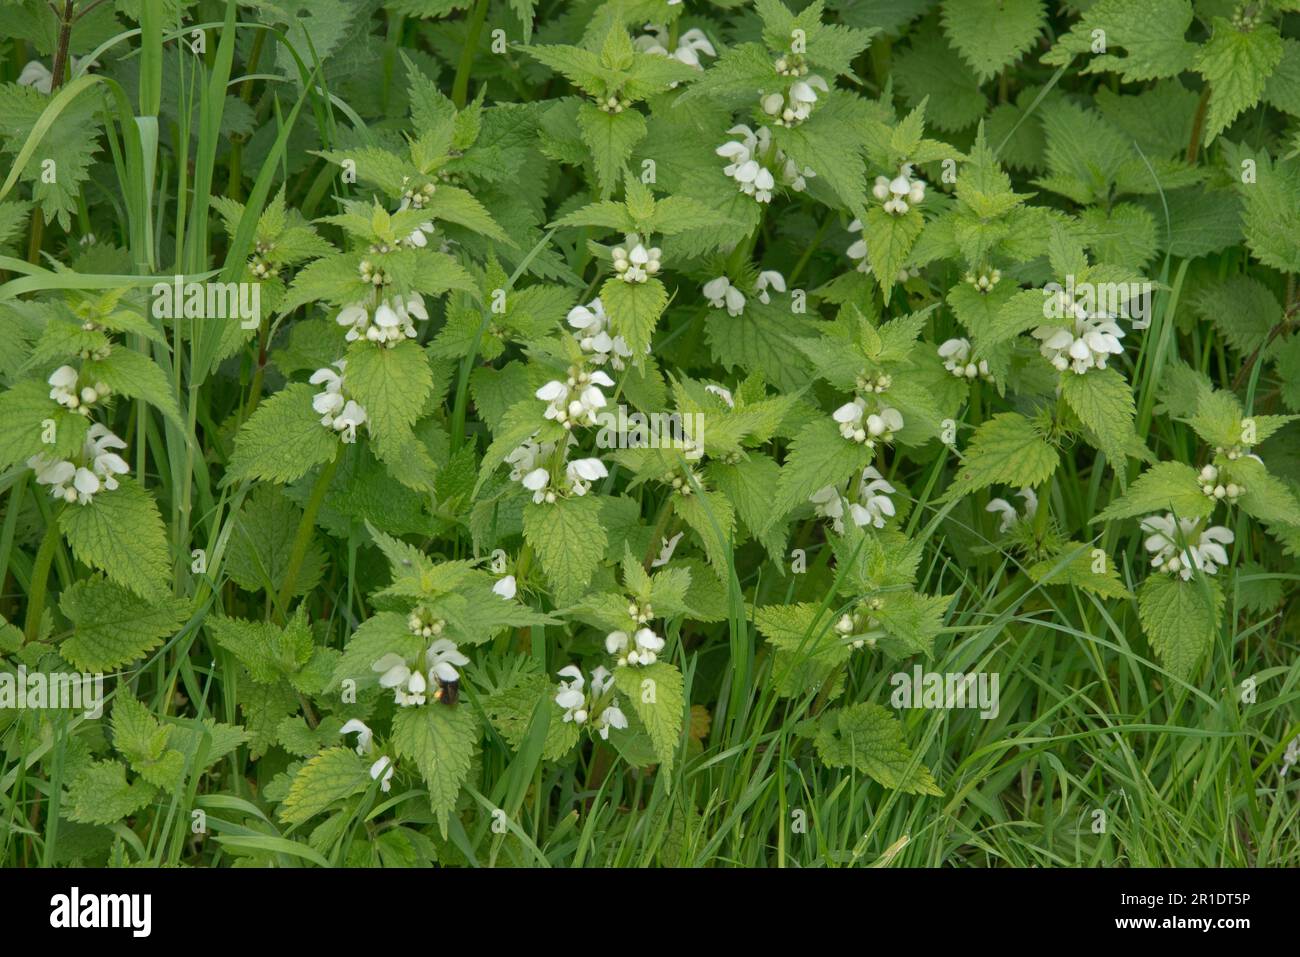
x=302 y=538
x=40 y=578
x=1198 y=126
x=460 y=85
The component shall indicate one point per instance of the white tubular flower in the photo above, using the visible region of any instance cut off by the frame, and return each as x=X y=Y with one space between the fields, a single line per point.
x=524 y=458
x=955 y=354
x=745 y=168
x=64 y=387
x=858 y=251
x=769 y=278
x=582 y=472
x=442 y=659
x=633 y=261
x=346 y=422
x=571 y=696
x=55 y=473
x=849 y=417
x=38 y=76
x=1086 y=344
x=330 y=402
x=721 y=393
x=721 y=293
x=408 y=686
x=601 y=681
x=505 y=587
x=611 y=717
x=536 y=482
x=356 y=318
x=1008 y=511
x=577 y=399
x=895 y=194
x=874 y=506
x=591 y=329
x=883 y=424
x=87 y=484
x=792 y=175
x=690 y=45
x=828 y=503
x=99 y=454
x=616 y=643
x=382 y=771
x=648 y=646
x=1177 y=549
x=365 y=737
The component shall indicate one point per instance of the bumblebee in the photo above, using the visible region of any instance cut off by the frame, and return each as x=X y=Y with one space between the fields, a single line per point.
x=448 y=692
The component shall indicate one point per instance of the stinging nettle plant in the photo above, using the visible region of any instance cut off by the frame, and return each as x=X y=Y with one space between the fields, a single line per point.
x=527 y=432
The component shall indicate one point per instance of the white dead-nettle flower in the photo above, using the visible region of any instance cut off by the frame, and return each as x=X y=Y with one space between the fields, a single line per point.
x=985 y=281
x=382 y=771
x=97 y=472
x=409 y=685
x=65 y=390
x=365 y=737
x=506 y=587
x=577 y=399
x=415 y=197
x=796 y=104
x=392 y=321
x=1215 y=489
x=525 y=458
x=642 y=648
x=571 y=696
x=1008 y=511
x=721 y=293
x=1087 y=343
x=336 y=411
x=955 y=354
x=582 y=472
x=895 y=194
x=38 y=76
x=721 y=393
x=579 y=702
x=768 y=278
x=690 y=45
x=633 y=261
x=1179 y=548
x=745 y=157
x=591 y=328
x=1291 y=757
x=874 y=506
x=442 y=659
x=857 y=425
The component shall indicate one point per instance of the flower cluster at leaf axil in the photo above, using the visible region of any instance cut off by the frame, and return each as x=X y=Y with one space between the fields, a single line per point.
x=95 y=471
x=859 y=628
x=337 y=412
x=1088 y=341
x=594 y=700
x=895 y=194
x=544 y=469
x=748 y=158
x=723 y=294
x=417 y=682
x=67 y=390
x=592 y=330
x=391 y=321
x=870 y=506
x=1181 y=546
x=691 y=45
x=382 y=768
x=633 y=262
x=858 y=425
x=956 y=356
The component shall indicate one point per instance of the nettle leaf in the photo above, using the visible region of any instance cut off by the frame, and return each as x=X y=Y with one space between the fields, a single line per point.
x=1271 y=215
x=818 y=456
x=143 y=741
x=1165 y=487
x=927 y=69
x=1264 y=497
x=441 y=741
x=634 y=309
x=333 y=775
x=1104 y=404
x=69 y=143
x=284 y=439
x=512 y=702
x=390 y=384
x=656 y=695
x=1006 y=450
x=1078 y=565
x=569 y=540
x=890 y=239
x=99 y=794
x=1151 y=35
x=611 y=138
x=135 y=376
x=112 y=626
x=867 y=737
x=1181 y=619
x=122 y=534
x=989 y=34
x=261 y=538
x=1237 y=65
x=711 y=517
x=31 y=423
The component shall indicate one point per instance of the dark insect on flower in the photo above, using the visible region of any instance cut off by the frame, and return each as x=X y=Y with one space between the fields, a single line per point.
x=448 y=692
